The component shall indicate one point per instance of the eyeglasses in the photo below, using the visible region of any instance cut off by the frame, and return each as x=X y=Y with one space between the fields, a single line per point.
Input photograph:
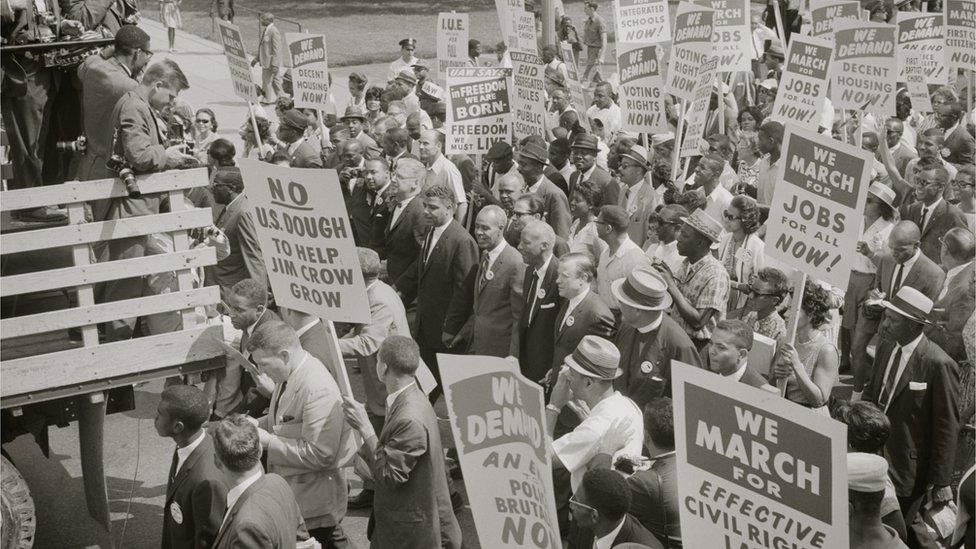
x=575 y=502
x=960 y=184
x=521 y=214
x=148 y=53
x=756 y=293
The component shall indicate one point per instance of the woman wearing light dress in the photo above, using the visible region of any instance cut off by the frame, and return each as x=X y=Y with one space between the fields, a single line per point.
x=583 y=237
x=740 y=249
x=169 y=14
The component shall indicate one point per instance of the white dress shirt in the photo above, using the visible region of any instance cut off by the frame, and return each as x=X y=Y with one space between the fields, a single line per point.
x=184 y=452
x=438 y=231
x=737 y=375
x=573 y=303
x=928 y=211
x=906 y=268
x=399 y=209
x=391 y=398
x=236 y=492
x=952 y=274
x=606 y=542
x=495 y=252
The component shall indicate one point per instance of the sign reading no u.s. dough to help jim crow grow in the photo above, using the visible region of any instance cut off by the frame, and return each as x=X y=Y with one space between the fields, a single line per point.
x=478 y=112
x=818 y=204
x=754 y=469
x=306 y=240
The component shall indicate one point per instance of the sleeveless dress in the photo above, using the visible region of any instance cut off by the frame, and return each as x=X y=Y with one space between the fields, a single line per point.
x=809 y=352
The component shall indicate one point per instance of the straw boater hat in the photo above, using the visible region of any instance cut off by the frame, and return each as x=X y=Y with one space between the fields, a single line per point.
x=353 y=113
x=407 y=75
x=866 y=472
x=883 y=193
x=596 y=357
x=705 y=224
x=911 y=304
x=642 y=289
x=638 y=154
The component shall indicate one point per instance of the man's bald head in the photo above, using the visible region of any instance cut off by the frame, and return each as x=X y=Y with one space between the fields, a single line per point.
x=958 y=247
x=568 y=120
x=869 y=141
x=903 y=241
x=539 y=231
x=492 y=215
x=351 y=146
x=433 y=135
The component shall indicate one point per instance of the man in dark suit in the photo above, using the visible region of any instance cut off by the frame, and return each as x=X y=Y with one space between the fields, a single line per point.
x=584 y=150
x=648 y=338
x=412 y=505
x=195 y=491
x=407 y=226
x=437 y=283
x=582 y=312
x=916 y=384
x=236 y=221
x=959 y=143
x=301 y=152
x=930 y=211
x=728 y=354
x=247 y=306
x=600 y=510
x=378 y=196
x=495 y=289
x=529 y=207
x=261 y=509
x=536 y=327
x=555 y=211
x=957 y=299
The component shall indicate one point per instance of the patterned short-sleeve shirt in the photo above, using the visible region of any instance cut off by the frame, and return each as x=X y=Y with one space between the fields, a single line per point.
x=705 y=285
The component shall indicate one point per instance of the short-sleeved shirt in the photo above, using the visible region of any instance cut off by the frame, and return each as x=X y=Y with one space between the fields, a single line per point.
x=592 y=31
x=444 y=172
x=705 y=285
x=766 y=180
x=773 y=326
x=578 y=447
x=628 y=257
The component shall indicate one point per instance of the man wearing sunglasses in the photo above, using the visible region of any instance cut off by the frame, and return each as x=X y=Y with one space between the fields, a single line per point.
x=931 y=212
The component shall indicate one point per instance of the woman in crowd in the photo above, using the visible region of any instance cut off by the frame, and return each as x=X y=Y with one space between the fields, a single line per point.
x=749 y=160
x=204 y=133
x=740 y=248
x=169 y=14
x=251 y=149
x=374 y=104
x=584 y=201
x=767 y=291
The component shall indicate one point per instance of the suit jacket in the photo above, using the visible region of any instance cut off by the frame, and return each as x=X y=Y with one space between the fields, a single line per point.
x=754 y=379
x=198 y=495
x=379 y=218
x=536 y=338
x=496 y=306
x=315 y=340
x=945 y=216
x=646 y=359
x=404 y=239
x=140 y=141
x=310 y=441
x=590 y=317
x=104 y=82
x=307 y=155
x=925 y=276
x=639 y=217
x=924 y=417
x=270 y=53
x=513 y=235
x=961 y=146
x=632 y=532
x=245 y=259
x=266 y=515
x=411 y=502
x=359 y=214
x=950 y=314
x=654 y=499
x=601 y=179
x=556 y=207
x=438 y=285
x=557 y=179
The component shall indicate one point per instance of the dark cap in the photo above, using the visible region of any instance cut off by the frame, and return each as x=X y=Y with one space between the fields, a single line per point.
x=534 y=151
x=420 y=64
x=587 y=142
x=294 y=120
x=132 y=37
x=560 y=145
x=412 y=42
x=498 y=151
x=353 y=112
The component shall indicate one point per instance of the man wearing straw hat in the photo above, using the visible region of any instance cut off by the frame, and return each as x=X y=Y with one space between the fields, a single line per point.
x=916 y=384
x=355 y=120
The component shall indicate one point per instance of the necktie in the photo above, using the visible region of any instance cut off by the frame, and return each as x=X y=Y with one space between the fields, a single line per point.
x=284 y=385
x=896 y=283
x=483 y=270
x=924 y=220
x=427 y=243
x=533 y=290
x=172 y=467
x=889 y=384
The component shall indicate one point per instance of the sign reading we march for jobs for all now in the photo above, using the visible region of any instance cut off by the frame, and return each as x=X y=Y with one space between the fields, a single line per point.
x=306 y=240
x=803 y=86
x=310 y=71
x=240 y=68
x=731 y=34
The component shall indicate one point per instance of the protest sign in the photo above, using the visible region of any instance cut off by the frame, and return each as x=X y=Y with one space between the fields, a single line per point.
x=818 y=204
x=692 y=47
x=524 y=22
x=916 y=82
x=697 y=114
x=478 y=112
x=452 y=41
x=499 y=427
x=240 y=68
x=506 y=18
x=642 y=21
x=822 y=18
x=755 y=469
x=960 y=21
x=306 y=240
x=528 y=101
x=923 y=33
x=641 y=94
x=310 y=71
x=864 y=67
x=576 y=98
x=803 y=86
x=731 y=34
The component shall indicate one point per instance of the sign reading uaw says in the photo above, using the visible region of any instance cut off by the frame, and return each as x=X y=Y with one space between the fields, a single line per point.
x=478 y=111
x=754 y=469
x=310 y=70
x=499 y=429
x=814 y=219
x=306 y=240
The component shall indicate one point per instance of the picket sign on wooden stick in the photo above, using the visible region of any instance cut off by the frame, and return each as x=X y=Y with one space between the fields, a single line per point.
x=721 y=104
x=779 y=24
x=677 y=142
x=793 y=318
x=254 y=126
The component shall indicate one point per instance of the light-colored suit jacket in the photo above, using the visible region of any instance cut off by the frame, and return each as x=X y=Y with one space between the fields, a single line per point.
x=949 y=315
x=310 y=441
x=646 y=203
x=245 y=259
x=497 y=306
x=269 y=49
x=556 y=207
x=104 y=82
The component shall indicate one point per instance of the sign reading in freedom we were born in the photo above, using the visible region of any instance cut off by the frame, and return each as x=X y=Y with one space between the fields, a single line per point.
x=306 y=240
x=528 y=100
x=864 y=69
x=756 y=470
x=818 y=203
x=642 y=21
x=236 y=53
x=732 y=34
x=452 y=41
x=499 y=427
x=924 y=34
x=310 y=70
x=692 y=47
x=803 y=87
x=478 y=112
x=960 y=20
x=641 y=89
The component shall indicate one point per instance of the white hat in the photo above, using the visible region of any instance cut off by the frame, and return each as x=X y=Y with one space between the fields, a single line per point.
x=866 y=472
x=910 y=303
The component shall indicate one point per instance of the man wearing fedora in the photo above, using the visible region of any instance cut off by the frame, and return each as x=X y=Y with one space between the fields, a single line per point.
x=917 y=387
x=355 y=120
x=637 y=196
x=532 y=160
x=700 y=288
x=406 y=83
x=584 y=149
x=648 y=339
x=301 y=152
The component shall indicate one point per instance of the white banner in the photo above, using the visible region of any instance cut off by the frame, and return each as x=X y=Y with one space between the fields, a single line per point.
x=864 y=69
x=641 y=89
x=452 y=41
x=803 y=86
x=642 y=21
x=528 y=100
x=924 y=33
x=478 y=109
x=731 y=34
x=697 y=115
x=692 y=48
x=961 y=34
x=310 y=71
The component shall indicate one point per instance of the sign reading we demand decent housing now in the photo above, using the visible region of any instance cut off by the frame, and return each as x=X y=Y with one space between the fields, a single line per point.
x=306 y=240
x=310 y=70
x=755 y=469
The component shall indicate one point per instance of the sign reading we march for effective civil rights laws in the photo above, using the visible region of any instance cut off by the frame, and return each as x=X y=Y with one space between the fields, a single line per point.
x=864 y=69
x=754 y=469
x=478 y=111
x=310 y=70
x=499 y=427
x=803 y=86
x=818 y=203
x=731 y=34
x=642 y=21
x=641 y=89
x=692 y=47
x=960 y=20
x=452 y=41
x=528 y=101
x=924 y=34
x=306 y=240
x=240 y=68
x=697 y=113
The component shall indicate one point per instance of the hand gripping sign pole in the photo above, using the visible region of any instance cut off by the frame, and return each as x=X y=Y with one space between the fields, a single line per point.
x=792 y=318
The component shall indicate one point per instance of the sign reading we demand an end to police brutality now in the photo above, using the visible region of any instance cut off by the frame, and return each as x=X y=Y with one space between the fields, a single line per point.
x=478 y=112
x=754 y=469
x=310 y=70
x=236 y=54
x=803 y=86
x=306 y=240
x=818 y=203
x=498 y=422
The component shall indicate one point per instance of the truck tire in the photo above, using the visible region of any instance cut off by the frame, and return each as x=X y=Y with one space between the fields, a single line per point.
x=17 y=511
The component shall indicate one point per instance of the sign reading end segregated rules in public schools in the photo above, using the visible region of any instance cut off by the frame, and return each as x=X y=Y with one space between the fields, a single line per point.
x=754 y=469
x=306 y=240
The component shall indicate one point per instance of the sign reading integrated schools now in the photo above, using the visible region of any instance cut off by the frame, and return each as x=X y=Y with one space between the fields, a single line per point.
x=236 y=54
x=310 y=70
x=306 y=240
x=478 y=111
x=754 y=469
